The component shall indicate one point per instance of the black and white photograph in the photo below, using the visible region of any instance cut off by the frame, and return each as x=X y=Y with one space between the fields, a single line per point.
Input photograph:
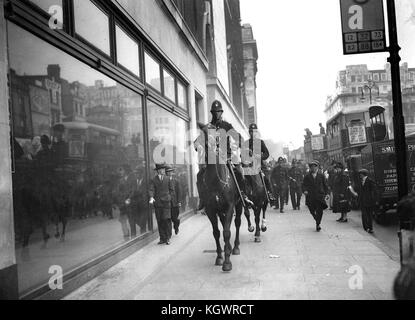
x=220 y=152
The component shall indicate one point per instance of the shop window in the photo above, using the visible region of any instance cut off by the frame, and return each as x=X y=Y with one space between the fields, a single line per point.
x=384 y=77
x=94 y=30
x=152 y=68
x=170 y=144
x=169 y=87
x=182 y=95
x=127 y=51
x=376 y=77
x=79 y=171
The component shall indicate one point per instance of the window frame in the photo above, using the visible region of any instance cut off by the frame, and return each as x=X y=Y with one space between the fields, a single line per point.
x=117 y=23
x=111 y=29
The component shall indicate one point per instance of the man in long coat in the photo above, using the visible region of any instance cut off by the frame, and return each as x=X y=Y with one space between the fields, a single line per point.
x=176 y=199
x=296 y=182
x=316 y=190
x=368 y=199
x=161 y=193
x=279 y=179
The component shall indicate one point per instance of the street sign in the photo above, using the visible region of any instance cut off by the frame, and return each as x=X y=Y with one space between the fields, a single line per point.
x=363 y=26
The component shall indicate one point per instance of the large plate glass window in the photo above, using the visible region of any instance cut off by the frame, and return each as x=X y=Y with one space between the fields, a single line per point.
x=169 y=87
x=152 y=72
x=170 y=143
x=82 y=137
x=127 y=51
x=92 y=24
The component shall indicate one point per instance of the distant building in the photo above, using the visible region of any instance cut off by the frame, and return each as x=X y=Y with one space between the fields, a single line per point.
x=251 y=69
x=349 y=127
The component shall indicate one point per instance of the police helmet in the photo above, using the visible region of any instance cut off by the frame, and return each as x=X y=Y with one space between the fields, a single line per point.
x=216 y=106
x=253 y=127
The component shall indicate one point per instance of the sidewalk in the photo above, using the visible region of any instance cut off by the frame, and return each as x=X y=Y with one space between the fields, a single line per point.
x=308 y=265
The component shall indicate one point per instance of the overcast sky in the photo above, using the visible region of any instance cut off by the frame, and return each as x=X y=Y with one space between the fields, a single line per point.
x=300 y=53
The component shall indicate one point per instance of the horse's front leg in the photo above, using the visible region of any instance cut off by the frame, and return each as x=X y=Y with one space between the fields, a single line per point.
x=227 y=221
x=216 y=234
x=236 y=251
x=257 y=221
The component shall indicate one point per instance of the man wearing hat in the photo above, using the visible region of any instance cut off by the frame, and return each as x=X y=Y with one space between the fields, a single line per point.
x=316 y=191
x=296 y=180
x=368 y=196
x=219 y=124
x=161 y=193
x=279 y=178
x=176 y=199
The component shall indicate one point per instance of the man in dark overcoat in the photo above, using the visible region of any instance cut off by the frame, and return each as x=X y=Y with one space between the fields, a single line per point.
x=279 y=180
x=176 y=199
x=296 y=181
x=368 y=199
x=161 y=192
x=316 y=190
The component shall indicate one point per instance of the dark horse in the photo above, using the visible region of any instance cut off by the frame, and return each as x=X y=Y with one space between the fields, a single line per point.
x=257 y=194
x=220 y=197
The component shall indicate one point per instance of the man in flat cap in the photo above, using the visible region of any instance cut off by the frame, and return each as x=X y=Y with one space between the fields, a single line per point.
x=368 y=196
x=316 y=191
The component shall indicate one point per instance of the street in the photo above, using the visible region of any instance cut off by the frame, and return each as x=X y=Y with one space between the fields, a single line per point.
x=292 y=262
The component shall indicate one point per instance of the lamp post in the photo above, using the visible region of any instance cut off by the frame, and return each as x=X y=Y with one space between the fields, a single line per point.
x=370 y=86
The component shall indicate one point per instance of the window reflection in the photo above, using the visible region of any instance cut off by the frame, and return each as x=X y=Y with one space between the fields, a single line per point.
x=92 y=24
x=127 y=51
x=169 y=88
x=79 y=189
x=152 y=72
x=181 y=96
x=169 y=143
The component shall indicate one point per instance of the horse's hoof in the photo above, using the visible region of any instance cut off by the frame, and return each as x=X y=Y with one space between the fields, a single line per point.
x=219 y=262
x=236 y=252
x=258 y=240
x=264 y=229
x=227 y=267
x=251 y=229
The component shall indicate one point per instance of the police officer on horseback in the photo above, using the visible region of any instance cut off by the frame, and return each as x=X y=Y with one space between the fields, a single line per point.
x=218 y=123
x=255 y=140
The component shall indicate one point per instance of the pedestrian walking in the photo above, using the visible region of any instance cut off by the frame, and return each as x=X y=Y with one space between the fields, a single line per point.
x=368 y=199
x=296 y=181
x=176 y=198
x=316 y=191
x=341 y=193
x=161 y=193
x=279 y=179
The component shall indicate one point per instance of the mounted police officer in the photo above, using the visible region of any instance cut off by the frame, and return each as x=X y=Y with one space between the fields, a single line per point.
x=218 y=123
x=256 y=141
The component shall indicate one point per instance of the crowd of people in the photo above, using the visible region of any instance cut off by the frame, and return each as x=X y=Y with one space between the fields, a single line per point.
x=324 y=188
